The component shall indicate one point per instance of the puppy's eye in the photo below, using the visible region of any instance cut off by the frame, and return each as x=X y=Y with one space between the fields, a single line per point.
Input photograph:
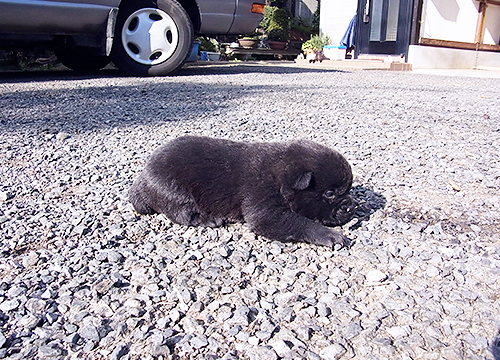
x=329 y=194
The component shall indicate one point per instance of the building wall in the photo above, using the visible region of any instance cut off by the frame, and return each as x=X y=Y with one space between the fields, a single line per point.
x=335 y=16
x=453 y=20
x=492 y=25
x=432 y=57
x=456 y=20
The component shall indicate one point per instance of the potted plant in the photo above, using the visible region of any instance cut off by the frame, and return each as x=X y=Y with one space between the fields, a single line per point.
x=249 y=42
x=277 y=38
x=276 y=24
x=313 y=48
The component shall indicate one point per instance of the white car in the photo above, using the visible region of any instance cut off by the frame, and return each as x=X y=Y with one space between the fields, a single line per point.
x=142 y=37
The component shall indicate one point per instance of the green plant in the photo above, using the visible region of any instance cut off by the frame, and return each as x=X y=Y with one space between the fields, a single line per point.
x=316 y=42
x=276 y=23
x=255 y=37
x=208 y=44
x=277 y=34
x=315 y=20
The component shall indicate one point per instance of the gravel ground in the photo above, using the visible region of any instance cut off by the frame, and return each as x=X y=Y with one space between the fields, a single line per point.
x=83 y=277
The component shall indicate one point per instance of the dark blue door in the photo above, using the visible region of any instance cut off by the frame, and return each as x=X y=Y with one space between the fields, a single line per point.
x=383 y=26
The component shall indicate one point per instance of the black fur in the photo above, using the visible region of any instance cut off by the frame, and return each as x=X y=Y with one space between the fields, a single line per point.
x=284 y=191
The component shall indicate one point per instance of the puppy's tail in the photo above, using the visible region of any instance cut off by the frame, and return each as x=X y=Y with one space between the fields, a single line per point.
x=137 y=198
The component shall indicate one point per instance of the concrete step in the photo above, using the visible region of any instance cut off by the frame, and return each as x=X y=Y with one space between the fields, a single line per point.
x=359 y=64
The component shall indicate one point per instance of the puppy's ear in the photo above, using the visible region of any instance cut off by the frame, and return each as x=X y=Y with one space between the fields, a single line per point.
x=303 y=181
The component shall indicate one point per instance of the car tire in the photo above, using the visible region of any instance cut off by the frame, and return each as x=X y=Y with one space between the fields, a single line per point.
x=81 y=59
x=152 y=37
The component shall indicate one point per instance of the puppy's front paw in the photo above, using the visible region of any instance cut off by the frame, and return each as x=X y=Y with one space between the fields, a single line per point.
x=329 y=238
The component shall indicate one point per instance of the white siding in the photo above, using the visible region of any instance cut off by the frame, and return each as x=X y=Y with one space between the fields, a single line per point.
x=492 y=25
x=335 y=16
x=456 y=20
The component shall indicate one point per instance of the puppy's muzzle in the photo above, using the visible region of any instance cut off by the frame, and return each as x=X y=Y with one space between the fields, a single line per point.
x=345 y=211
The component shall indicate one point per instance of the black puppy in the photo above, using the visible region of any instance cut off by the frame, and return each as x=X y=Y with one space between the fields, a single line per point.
x=284 y=191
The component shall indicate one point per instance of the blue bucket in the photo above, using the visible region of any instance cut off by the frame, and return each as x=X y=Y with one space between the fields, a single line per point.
x=194 y=52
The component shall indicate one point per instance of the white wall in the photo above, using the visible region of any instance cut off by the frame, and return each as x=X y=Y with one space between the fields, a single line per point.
x=453 y=20
x=492 y=25
x=335 y=16
x=456 y=20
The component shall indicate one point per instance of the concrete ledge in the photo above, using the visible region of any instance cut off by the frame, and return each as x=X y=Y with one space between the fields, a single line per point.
x=346 y=64
x=431 y=57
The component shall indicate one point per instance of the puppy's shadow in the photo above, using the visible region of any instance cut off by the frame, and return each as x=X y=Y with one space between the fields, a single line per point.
x=368 y=202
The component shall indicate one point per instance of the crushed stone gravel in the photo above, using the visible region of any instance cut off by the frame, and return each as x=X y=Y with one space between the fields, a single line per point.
x=84 y=277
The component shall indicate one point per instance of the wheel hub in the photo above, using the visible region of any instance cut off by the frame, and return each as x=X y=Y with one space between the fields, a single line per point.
x=150 y=36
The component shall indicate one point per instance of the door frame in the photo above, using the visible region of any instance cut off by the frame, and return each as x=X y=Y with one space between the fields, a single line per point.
x=406 y=23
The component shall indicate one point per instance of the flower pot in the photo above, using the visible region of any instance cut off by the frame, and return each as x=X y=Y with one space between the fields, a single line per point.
x=277 y=45
x=248 y=43
x=312 y=56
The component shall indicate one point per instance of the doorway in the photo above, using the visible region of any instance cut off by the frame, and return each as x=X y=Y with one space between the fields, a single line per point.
x=383 y=27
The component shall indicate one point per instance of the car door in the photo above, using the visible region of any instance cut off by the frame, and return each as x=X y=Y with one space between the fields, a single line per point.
x=216 y=15
x=54 y=16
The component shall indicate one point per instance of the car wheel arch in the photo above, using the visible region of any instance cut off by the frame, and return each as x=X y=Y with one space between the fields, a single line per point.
x=191 y=8
x=193 y=11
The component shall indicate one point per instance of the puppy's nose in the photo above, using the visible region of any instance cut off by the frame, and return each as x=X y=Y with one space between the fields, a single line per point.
x=348 y=205
x=345 y=211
